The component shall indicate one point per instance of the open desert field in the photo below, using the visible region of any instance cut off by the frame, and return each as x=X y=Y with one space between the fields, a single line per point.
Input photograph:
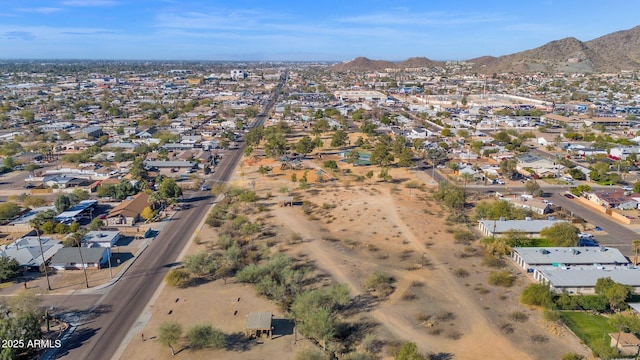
x=349 y=228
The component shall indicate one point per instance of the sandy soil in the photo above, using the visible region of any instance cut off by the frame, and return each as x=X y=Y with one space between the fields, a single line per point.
x=357 y=228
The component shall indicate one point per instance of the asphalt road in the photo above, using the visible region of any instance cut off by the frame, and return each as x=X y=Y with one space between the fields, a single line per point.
x=122 y=305
x=617 y=235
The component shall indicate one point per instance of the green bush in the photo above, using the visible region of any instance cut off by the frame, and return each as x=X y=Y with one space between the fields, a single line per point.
x=177 y=277
x=205 y=336
x=463 y=236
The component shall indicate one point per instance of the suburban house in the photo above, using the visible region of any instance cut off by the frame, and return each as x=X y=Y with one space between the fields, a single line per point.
x=536 y=205
x=531 y=228
x=127 y=213
x=101 y=238
x=26 y=251
x=618 y=199
x=71 y=259
x=161 y=164
x=529 y=164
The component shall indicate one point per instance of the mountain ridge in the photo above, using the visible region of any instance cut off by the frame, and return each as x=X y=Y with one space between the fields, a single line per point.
x=612 y=52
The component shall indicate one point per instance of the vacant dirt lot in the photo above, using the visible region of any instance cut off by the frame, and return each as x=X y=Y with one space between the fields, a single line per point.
x=350 y=228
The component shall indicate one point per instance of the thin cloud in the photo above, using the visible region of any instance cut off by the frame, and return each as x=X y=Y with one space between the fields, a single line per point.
x=422 y=19
x=88 y=32
x=19 y=35
x=40 y=10
x=89 y=3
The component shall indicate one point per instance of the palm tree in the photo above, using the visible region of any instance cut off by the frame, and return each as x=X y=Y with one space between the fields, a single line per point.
x=636 y=247
x=77 y=236
x=36 y=223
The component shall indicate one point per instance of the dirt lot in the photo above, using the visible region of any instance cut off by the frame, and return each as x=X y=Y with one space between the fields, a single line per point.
x=352 y=229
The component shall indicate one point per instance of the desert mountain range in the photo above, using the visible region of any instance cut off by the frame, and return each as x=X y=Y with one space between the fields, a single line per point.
x=609 y=53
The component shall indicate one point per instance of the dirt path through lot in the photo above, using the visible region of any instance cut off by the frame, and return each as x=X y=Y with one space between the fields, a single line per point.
x=479 y=339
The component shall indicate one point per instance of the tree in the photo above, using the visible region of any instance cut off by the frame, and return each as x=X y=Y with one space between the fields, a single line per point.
x=169 y=333
x=304 y=146
x=205 y=336
x=137 y=169
x=636 y=247
x=264 y=170
x=508 y=167
x=96 y=224
x=533 y=188
x=623 y=323
x=275 y=145
x=353 y=156
x=36 y=223
x=147 y=213
x=201 y=264
x=615 y=293
x=538 y=295
x=382 y=154
x=169 y=189
x=580 y=189
x=339 y=138
x=331 y=164
x=8 y=211
x=254 y=136
x=405 y=158
x=9 y=268
x=62 y=203
x=562 y=234
x=408 y=351
x=8 y=163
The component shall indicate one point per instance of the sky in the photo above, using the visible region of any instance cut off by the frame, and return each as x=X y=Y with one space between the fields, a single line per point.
x=302 y=30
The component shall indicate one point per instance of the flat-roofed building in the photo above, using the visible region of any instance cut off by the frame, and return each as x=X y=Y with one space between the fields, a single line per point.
x=529 y=257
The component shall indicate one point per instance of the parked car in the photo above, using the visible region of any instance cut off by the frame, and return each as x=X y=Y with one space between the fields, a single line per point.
x=29 y=186
x=204 y=188
x=569 y=196
x=585 y=236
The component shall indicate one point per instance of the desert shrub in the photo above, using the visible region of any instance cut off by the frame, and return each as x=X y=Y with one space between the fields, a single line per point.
x=446 y=316
x=538 y=339
x=311 y=354
x=572 y=356
x=501 y=278
x=493 y=261
x=380 y=283
x=454 y=335
x=506 y=328
x=463 y=236
x=518 y=316
x=460 y=272
x=552 y=316
x=358 y=356
x=371 y=343
x=177 y=277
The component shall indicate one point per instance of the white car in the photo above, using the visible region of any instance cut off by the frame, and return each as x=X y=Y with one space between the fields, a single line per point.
x=585 y=236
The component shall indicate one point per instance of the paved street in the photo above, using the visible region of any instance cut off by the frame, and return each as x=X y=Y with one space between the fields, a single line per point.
x=117 y=311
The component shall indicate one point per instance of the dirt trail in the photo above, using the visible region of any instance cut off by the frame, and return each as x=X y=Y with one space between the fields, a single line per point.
x=479 y=341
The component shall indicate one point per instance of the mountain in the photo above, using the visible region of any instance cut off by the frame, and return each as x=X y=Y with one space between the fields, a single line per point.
x=609 y=53
x=365 y=64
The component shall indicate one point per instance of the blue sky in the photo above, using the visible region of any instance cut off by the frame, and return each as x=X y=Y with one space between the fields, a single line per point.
x=298 y=30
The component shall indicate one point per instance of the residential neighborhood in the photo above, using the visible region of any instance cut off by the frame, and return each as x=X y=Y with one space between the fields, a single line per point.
x=536 y=172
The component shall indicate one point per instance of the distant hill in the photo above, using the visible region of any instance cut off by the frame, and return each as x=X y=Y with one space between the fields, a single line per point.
x=609 y=53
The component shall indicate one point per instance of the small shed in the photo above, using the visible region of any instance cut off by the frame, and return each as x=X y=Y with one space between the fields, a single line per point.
x=628 y=344
x=259 y=323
